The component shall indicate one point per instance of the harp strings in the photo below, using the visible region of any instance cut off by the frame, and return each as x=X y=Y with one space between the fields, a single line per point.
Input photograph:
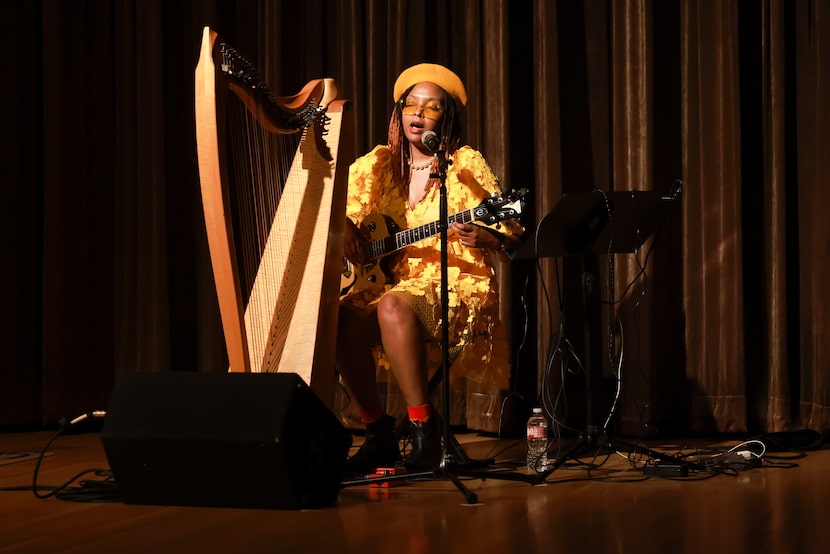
x=261 y=163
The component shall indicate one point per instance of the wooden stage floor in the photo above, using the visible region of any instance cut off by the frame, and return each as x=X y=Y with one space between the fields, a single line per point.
x=771 y=508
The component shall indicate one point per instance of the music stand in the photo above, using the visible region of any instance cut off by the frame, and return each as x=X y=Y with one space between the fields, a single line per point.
x=593 y=224
x=578 y=223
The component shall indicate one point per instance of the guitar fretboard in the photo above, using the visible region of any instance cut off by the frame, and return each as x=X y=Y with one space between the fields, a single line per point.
x=403 y=238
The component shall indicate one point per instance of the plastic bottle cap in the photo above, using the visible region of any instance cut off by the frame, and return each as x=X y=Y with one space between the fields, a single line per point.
x=537 y=410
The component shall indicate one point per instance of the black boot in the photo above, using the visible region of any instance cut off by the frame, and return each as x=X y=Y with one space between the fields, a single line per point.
x=380 y=449
x=426 y=445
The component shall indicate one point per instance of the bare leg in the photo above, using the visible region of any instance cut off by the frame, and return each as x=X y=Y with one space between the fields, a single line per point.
x=403 y=343
x=355 y=336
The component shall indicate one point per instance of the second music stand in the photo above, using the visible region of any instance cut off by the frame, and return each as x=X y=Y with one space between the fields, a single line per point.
x=593 y=224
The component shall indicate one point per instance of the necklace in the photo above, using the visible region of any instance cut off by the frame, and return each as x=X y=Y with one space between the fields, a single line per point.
x=426 y=164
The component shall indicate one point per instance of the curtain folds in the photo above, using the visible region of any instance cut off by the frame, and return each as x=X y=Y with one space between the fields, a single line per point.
x=810 y=226
x=713 y=295
x=772 y=405
x=716 y=325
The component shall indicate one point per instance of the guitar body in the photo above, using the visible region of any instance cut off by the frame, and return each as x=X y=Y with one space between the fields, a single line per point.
x=370 y=277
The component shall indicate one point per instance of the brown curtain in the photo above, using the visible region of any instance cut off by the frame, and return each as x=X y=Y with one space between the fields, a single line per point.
x=713 y=242
x=716 y=325
x=799 y=355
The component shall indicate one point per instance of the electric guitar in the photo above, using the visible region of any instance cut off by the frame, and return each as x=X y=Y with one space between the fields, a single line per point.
x=387 y=237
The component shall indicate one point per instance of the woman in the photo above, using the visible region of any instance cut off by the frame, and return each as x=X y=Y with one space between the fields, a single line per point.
x=398 y=180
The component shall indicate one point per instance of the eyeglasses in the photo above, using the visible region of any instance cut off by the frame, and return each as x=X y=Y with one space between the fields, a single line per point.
x=429 y=111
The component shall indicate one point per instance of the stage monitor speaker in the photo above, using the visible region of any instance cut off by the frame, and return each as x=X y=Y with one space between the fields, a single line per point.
x=242 y=440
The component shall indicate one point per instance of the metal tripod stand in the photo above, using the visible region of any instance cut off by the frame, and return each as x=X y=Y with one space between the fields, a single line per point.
x=589 y=224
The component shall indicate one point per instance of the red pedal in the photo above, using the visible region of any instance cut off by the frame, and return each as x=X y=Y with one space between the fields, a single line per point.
x=387 y=472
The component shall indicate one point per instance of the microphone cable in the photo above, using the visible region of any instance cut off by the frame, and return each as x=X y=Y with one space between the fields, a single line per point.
x=98 y=490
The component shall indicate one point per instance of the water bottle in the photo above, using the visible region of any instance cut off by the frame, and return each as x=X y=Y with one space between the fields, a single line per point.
x=537 y=441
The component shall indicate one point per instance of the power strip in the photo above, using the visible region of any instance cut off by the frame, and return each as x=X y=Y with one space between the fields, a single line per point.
x=665 y=469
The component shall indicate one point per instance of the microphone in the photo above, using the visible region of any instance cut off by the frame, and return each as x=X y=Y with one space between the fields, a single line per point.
x=430 y=140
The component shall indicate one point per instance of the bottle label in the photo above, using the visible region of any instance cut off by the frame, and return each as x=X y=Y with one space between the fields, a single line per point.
x=536 y=432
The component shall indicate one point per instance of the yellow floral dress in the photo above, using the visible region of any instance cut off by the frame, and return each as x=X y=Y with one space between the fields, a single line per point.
x=476 y=334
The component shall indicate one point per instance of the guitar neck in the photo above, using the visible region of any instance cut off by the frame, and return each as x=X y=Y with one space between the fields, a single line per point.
x=404 y=238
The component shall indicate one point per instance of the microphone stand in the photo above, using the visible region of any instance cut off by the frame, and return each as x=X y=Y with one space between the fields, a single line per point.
x=448 y=465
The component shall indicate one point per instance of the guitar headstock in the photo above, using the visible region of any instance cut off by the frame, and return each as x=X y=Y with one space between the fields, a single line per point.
x=500 y=207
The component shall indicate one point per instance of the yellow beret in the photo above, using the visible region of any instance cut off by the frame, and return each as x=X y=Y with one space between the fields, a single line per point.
x=432 y=73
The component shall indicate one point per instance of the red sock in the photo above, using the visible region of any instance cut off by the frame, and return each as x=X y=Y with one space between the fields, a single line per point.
x=419 y=414
x=371 y=415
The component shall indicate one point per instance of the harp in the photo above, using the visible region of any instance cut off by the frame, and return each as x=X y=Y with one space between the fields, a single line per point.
x=274 y=198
